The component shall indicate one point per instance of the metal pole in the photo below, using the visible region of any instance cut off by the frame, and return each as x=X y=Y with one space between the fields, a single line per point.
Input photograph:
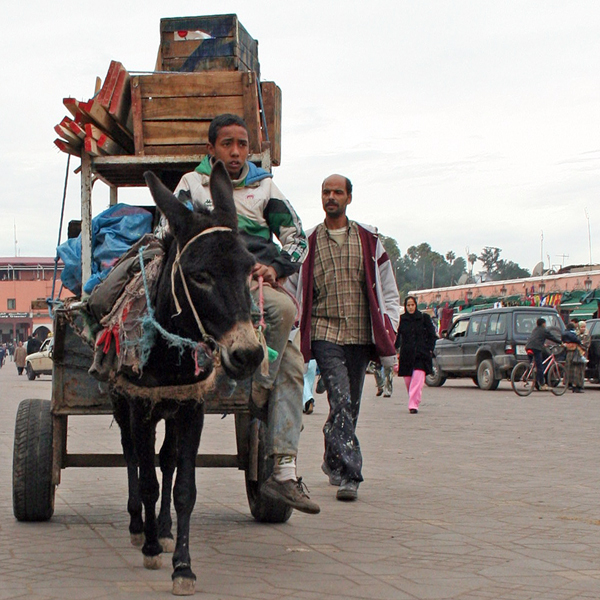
x=86 y=217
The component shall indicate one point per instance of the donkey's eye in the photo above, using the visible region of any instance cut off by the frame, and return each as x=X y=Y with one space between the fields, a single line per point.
x=203 y=280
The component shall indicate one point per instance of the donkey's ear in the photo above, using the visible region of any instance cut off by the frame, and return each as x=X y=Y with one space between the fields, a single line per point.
x=176 y=213
x=221 y=192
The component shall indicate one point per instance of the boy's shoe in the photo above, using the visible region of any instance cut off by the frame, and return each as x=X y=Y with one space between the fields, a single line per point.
x=544 y=388
x=334 y=478
x=348 y=490
x=292 y=493
x=379 y=391
x=309 y=406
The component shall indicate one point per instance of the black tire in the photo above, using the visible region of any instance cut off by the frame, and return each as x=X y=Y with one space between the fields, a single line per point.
x=263 y=509
x=33 y=491
x=557 y=379
x=30 y=372
x=485 y=375
x=437 y=378
x=475 y=381
x=522 y=379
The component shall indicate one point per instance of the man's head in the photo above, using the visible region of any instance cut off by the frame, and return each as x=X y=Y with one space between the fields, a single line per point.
x=541 y=322
x=228 y=141
x=336 y=194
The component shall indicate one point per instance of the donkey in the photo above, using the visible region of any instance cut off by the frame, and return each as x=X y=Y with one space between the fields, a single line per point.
x=203 y=296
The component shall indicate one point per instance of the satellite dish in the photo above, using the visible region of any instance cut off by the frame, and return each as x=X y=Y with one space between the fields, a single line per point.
x=538 y=270
x=462 y=279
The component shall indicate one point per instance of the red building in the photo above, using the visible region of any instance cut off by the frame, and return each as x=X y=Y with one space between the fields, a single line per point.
x=25 y=284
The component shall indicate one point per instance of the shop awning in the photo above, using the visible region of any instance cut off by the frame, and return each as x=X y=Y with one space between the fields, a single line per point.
x=572 y=300
x=585 y=311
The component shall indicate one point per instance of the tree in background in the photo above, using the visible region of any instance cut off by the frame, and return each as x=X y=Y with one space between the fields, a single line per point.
x=422 y=267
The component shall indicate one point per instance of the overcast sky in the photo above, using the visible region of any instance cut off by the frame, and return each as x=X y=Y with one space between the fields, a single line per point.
x=461 y=123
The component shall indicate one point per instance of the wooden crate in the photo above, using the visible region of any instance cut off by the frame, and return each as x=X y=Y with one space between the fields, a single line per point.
x=271 y=97
x=208 y=43
x=172 y=111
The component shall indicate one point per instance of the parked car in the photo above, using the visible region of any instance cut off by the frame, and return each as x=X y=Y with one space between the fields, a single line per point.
x=40 y=362
x=485 y=345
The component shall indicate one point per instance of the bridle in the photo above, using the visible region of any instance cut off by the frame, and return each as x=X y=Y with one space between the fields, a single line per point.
x=177 y=268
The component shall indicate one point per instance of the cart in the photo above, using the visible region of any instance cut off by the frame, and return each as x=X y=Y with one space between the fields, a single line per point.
x=40 y=446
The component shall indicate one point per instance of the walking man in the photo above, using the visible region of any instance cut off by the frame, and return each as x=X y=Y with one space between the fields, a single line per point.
x=350 y=310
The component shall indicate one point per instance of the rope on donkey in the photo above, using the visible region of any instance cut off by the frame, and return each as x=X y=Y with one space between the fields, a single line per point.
x=201 y=351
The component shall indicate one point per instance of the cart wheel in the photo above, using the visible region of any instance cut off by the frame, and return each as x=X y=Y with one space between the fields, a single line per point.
x=33 y=492
x=264 y=510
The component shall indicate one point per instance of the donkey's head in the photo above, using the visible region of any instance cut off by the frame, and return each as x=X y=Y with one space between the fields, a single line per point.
x=204 y=285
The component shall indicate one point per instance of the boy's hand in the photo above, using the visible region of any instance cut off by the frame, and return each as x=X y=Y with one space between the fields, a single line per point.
x=269 y=274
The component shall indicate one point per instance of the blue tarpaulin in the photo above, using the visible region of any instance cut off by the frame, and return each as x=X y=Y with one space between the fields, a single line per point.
x=114 y=231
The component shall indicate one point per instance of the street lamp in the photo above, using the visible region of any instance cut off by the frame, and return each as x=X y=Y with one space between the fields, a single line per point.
x=542 y=287
x=588 y=284
x=470 y=295
x=503 y=290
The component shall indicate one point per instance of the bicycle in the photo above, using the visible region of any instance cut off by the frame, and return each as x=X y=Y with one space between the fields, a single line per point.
x=524 y=374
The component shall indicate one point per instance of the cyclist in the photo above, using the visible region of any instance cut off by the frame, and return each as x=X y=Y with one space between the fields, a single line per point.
x=536 y=343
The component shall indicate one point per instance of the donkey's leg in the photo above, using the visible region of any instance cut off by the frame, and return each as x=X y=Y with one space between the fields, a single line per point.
x=144 y=432
x=167 y=460
x=190 y=418
x=134 y=503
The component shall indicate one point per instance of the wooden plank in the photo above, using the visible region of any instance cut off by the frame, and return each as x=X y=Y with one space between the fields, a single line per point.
x=185 y=48
x=91 y=147
x=161 y=133
x=206 y=65
x=271 y=95
x=215 y=25
x=136 y=110
x=67 y=135
x=251 y=111
x=120 y=102
x=66 y=147
x=109 y=146
x=225 y=83
x=100 y=117
x=93 y=132
x=190 y=108
x=110 y=81
x=76 y=129
x=181 y=150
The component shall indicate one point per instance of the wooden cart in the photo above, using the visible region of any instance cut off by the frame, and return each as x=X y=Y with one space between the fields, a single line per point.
x=170 y=113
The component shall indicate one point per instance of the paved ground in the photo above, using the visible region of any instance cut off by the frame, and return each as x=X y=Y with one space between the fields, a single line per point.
x=482 y=495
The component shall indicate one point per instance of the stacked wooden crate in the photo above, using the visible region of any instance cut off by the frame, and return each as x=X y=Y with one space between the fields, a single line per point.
x=209 y=43
x=206 y=66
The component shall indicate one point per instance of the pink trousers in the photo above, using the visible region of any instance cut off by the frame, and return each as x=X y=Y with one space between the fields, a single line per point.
x=414 y=387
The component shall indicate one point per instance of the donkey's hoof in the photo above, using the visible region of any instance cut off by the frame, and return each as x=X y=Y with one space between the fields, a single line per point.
x=183 y=586
x=168 y=544
x=137 y=539
x=152 y=562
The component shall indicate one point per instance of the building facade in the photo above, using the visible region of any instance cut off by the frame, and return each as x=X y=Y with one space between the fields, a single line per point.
x=25 y=285
x=575 y=294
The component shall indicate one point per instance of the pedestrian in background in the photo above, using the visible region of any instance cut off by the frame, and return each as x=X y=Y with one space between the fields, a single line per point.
x=20 y=356
x=415 y=343
x=308 y=401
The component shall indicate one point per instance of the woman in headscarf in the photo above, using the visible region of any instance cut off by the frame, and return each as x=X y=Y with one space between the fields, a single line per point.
x=415 y=342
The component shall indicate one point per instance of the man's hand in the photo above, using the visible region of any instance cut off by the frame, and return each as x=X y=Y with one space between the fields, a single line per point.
x=269 y=274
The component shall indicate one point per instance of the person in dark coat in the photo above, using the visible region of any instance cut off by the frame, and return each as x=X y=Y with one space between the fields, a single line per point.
x=33 y=344
x=415 y=342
